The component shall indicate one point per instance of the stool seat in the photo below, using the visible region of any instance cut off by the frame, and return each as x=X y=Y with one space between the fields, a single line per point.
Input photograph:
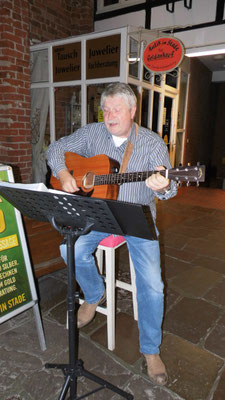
x=112 y=241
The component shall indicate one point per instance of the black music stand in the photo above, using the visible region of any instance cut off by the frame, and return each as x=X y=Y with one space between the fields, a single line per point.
x=73 y=216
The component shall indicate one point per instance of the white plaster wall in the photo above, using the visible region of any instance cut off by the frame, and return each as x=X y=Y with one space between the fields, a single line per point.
x=203 y=37
x=201 y=11
x=136 y=19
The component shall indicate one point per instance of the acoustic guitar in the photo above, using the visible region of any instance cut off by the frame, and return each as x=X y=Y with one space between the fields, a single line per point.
x=99 y=176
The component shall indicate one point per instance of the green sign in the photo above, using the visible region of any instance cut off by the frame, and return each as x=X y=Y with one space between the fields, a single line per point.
x=15 y=282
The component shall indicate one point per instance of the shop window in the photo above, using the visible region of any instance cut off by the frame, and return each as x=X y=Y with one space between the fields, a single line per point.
x=137 y=94
x=172 y=78
x=39 y=66
x=145 y=109
x=109 y=5
x=67 y=110
x=155 y=114
x=133 y=57
x=167 y=110
x=94 y=112
x=182 y=100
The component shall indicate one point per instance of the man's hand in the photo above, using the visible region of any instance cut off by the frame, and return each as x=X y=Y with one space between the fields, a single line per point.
x=68 y=183
x=157 y=182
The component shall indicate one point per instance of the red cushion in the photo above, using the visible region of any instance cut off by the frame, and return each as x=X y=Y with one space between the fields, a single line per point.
x=112 y=241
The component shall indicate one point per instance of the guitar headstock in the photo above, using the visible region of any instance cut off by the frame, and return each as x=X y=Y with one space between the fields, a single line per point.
x=187 y=174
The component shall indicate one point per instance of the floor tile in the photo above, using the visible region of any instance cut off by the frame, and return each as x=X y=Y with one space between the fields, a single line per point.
x=172 y=267
x=196 y=281
x=184 y=255
x=143 y=389
x=127 y=342
x=206 y=248
x=212 y=263
x=191 y=319
x=215 y=342
x=191 y=370
x=51 y=292
x=220 y=390
x=171 y=296
x=217 y=293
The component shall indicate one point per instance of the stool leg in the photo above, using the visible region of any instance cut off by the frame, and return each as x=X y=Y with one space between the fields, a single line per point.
x=110 y=296
x=134 y=288
x=99 y=257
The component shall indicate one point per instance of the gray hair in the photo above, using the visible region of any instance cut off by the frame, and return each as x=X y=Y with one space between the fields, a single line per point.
x=121 y=90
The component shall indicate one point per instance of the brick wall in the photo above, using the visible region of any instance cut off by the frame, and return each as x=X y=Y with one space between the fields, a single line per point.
x=15 y=146
x=20 y=22
x=51 y=19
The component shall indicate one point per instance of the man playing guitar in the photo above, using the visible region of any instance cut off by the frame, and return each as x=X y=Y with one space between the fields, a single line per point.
x=149 y=152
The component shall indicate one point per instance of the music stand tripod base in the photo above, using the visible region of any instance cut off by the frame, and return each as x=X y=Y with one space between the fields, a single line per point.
x=75 y=369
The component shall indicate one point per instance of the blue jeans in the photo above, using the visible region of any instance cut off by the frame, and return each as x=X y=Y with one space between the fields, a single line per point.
x=145 y=255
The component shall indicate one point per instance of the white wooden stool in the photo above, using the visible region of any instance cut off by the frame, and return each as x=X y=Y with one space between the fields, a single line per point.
x=109 y=246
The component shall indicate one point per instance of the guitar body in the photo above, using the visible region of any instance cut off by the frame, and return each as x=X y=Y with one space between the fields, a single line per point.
x=98 y=165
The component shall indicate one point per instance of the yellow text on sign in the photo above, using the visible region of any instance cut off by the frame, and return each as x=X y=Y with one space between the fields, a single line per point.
x=8 y=242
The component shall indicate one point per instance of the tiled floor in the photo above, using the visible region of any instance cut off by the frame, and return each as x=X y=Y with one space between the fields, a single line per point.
x=192 y=241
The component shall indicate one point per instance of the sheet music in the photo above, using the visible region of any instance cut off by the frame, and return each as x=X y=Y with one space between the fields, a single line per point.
x=39 y=187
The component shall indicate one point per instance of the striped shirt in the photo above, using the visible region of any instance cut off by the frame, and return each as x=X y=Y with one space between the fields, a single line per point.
x=149 y=151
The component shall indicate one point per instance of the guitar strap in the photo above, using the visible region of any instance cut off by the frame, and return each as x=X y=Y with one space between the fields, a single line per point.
x=127 y=153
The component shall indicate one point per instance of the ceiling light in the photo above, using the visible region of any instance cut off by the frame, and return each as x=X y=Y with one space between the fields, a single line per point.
x=205 y=51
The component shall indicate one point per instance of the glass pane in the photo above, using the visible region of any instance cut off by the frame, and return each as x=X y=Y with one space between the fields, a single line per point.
x=110 y=2
x=137 y=94
x=145 y=109
x=147 y=75
x=155 y=114
x=167 y=109
x=182 y=100
x=179 y=145
x=40 y=132
x=94 y=112
x=172 y=78
x=39 y=66
x=67 y=110
x=158 y=79
x=133 y=58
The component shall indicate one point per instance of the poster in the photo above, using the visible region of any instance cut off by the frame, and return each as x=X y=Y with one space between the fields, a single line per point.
x=17 y=290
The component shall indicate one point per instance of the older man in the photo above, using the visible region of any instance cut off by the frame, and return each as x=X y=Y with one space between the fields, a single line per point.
x=149 y=152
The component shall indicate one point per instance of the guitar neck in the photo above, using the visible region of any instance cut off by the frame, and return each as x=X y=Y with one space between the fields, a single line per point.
x=118 y=179
x=180 y=174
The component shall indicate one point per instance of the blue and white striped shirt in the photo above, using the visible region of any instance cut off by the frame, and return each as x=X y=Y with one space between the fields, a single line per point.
x=149 y=151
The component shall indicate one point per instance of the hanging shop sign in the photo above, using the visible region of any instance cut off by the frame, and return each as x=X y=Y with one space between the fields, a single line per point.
x=103 y=57
x=163 y=54
x=17 y=290
x=67 y=62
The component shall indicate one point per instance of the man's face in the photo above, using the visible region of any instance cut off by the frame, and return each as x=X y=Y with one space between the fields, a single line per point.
x=117 y=115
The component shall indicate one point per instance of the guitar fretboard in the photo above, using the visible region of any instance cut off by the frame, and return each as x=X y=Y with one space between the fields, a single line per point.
x=117 y=179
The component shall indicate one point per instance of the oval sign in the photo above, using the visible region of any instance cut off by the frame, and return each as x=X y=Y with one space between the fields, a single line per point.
x=163 y=54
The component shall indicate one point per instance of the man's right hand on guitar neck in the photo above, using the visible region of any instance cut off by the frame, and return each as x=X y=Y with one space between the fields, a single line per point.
x=68 y=183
